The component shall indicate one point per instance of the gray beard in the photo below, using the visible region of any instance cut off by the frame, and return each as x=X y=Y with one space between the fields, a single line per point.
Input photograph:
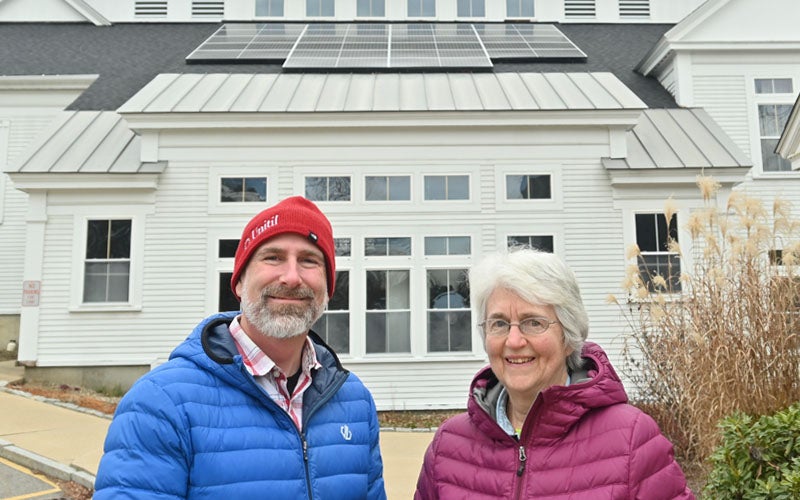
x=282 y=321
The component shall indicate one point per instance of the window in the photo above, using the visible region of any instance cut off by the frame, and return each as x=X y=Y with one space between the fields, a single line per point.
x=528 y=187
x=519 y=8
x=370 y=8
x=269 y=8
x=328 y=188
x=471 y=8
x=771 y=120
x=381 y=247
x=579 y=9
x=387 y=188
x=543 y=243
x=227 y=301
x=653 y=236
x=447 y=245
x=243 y=189
x=446 y=187
x=388 y=315
x=334 y=325
x=107 y=267
x=773 y=85
x=449 y=317
x=634 y=9
x=421 y=8
x=320 y=8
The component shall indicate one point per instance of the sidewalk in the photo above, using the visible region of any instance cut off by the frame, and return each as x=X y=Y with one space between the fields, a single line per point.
x=66 y=442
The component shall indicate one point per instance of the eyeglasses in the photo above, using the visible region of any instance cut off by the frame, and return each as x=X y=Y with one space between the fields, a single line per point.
x=528 y=326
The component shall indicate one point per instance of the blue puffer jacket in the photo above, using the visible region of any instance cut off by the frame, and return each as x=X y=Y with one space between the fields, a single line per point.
x=199 y=426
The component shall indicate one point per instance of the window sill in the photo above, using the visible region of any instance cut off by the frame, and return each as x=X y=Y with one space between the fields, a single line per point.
x=108 y=307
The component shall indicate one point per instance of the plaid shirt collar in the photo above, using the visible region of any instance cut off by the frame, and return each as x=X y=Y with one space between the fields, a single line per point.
x=259 y=364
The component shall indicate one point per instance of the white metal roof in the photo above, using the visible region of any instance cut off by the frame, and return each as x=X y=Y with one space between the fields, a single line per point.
x=678 y=138
x=342 y=92
x=85 y=142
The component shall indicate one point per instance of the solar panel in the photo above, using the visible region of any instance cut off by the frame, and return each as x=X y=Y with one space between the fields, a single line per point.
x=528 y=42
x=248 y=42
x=379 y=45
x=436 y=45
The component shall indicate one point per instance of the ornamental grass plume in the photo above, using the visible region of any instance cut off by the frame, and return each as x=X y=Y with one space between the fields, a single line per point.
x=718 y=335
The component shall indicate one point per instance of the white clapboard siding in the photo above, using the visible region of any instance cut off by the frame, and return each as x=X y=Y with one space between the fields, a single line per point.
x=22 y=130
x=724 y=97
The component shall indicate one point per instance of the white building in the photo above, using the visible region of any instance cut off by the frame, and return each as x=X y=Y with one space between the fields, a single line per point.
x=130 y=171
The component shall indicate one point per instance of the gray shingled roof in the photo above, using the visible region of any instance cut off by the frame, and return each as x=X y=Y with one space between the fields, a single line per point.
x=128 y=56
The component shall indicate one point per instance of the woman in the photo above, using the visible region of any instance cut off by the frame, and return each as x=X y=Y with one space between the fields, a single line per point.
x=549 y=417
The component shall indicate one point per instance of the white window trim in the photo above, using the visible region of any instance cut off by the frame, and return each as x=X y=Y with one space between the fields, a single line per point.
x=536 y=229
x=215 y=175
x=384 y=202
x=80 y=221
x=556 y=188
x=755 y=126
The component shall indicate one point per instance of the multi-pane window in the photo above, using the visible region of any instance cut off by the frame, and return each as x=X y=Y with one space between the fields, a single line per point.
x=107 y=267
x=243 y=189
x=382 y=247
x=370 y=8
x=771 y=120
x=328 y=188
x=539 y=242
x=387 y=188
x=471 y=8
x=388 y=313
x=519 y=8
x=528 y=187
x=447 y=245
x=320 y=8
x=446 y=187
x=226 y=249
x=388 y=298
x=269 y=8
x=449 y=324
x=334 y=324
x=421 y=8
x=653 y=235
x=773 y=85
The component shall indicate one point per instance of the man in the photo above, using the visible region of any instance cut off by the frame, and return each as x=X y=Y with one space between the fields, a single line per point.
x=253 y=405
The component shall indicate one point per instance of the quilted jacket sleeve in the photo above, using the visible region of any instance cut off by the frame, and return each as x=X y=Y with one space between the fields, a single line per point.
x=377 y=489
x=655 y=475
x=145 y=449
x=426 y=483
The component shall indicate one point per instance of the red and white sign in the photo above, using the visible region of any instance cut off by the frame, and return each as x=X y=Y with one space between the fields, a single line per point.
x=30 y=293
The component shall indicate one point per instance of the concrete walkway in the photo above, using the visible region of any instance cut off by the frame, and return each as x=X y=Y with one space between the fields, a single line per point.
x=66 y=442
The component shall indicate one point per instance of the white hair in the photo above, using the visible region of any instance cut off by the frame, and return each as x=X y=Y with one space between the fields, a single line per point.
x=539 y=278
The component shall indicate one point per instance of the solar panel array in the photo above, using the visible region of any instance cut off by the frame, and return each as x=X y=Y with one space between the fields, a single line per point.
x=390 y=45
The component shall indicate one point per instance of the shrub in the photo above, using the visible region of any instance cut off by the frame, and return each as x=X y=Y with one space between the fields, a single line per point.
x=758 y=458
x=727 y=340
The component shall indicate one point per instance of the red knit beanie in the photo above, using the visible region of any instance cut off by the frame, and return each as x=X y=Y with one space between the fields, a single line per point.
x=292 y=215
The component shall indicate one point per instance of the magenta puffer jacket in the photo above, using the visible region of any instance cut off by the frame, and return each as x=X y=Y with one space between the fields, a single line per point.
x=579 y=442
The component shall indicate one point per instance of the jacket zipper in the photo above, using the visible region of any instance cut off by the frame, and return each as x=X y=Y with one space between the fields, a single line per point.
x=520 y=471
x=305 y=463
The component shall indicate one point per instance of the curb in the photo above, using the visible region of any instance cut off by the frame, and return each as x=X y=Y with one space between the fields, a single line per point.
x=46 y=466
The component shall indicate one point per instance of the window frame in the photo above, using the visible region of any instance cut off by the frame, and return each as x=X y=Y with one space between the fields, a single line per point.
x=659 y=253
x=321 y=9
x=769 y=99
x=519 y=15
x=471 y=15
x=80 y=223
x=388 y=178
x=555 y=202
x=421 y=10
x=217 y=173
x=371 y=15
x=269 y=9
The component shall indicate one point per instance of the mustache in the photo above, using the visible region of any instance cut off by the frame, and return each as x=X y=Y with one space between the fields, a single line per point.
x=289 y=293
